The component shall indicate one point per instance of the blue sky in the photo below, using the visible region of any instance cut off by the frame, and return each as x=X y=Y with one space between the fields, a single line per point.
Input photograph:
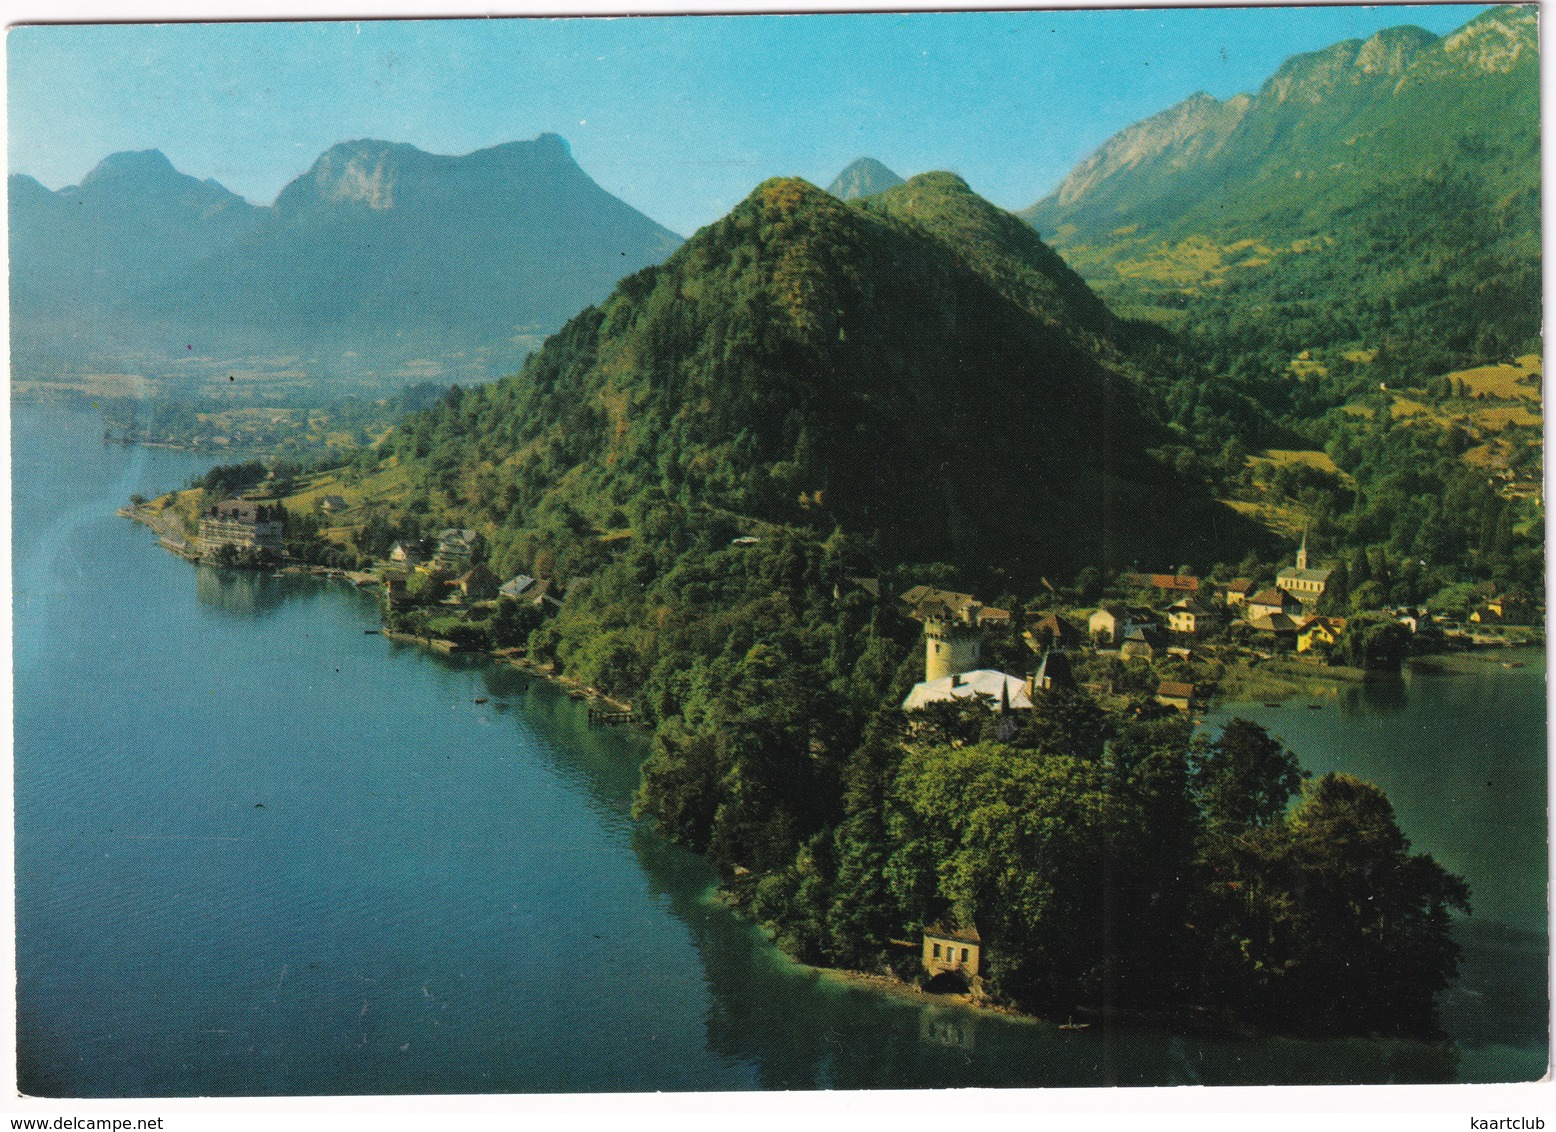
x=679 y=116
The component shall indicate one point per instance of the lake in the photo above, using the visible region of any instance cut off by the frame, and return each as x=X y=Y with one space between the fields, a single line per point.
x=260 y=851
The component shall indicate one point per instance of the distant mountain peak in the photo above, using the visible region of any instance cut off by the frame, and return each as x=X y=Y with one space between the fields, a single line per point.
x=382 y=175
x=863 y=177
x=1392 y=50
x=133 y=164
x=362 y=171
x=1314 y=76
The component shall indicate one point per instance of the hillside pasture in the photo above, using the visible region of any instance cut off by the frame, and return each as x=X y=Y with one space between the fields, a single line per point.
x=1516 y=381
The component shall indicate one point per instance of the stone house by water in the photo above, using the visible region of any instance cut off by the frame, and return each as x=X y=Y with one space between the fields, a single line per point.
x=242 y=524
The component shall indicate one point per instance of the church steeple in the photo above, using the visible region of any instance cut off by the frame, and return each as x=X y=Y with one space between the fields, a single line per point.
x=1302 y=552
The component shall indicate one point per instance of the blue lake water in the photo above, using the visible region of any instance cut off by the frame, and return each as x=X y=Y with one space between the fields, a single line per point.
x=259 y=851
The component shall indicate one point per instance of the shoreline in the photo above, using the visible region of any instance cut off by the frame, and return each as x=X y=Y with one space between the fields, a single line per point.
x=1196 y=1022
x=360 y=579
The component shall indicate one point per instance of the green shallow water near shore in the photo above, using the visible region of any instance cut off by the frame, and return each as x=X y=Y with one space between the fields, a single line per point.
x=261 y=851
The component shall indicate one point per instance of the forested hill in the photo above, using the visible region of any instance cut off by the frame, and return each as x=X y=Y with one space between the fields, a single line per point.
x=1006 y=253
x=916 y=369
x=1373 y=194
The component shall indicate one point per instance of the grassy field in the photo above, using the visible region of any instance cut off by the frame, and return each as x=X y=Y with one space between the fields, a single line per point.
x=1518 y=381
x=1281 y=680
x=1311 y=457
x=1494 y=398
x=1276 y=517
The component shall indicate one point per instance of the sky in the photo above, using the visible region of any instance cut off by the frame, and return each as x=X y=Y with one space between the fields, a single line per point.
x=679 y=116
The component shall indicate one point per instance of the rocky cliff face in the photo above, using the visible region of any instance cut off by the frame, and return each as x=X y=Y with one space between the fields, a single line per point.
x=1352 y=107
x=1194 y=130
x=1497 y=41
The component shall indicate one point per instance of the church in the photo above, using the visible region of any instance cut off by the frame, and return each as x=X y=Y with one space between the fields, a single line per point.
x=1302 y=583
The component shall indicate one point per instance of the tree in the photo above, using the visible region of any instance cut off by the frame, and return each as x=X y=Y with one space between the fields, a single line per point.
x=1375 y=642
x=512 y=622
x=1369 y=595
x=1369 y=920
x=1337 y=593
x=426 y=586
x=1245 y=779
x=1155 y=878
x=1013 y=842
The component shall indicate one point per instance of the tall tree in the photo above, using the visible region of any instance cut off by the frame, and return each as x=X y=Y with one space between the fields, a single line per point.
x=1369 y=920
x=1245 y=779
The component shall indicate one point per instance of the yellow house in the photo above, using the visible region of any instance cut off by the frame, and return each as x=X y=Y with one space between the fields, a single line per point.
x=956 y=950
x=1508 y=607
x=1320 y=632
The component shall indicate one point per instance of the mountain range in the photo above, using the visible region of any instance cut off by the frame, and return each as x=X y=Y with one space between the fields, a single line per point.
x=1378 y=194
x=378 y=256
x=1353 y=170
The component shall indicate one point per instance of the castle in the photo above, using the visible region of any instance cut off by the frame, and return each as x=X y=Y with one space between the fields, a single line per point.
x=953 y=647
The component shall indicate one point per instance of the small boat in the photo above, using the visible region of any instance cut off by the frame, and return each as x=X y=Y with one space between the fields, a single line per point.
x=1074 y=1025
x=481 y=700
x=1272 y=703
x=372 y=632
x=1316 y=707
x=1512 y=664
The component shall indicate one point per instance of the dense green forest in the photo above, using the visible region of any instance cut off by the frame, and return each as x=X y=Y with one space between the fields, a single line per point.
x=731 y=466
x=917 y=369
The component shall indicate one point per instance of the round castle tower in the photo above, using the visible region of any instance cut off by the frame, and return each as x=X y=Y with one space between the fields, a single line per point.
x=952 y=644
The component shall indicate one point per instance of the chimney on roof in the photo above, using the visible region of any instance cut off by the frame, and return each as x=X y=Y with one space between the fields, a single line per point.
x=956 y=679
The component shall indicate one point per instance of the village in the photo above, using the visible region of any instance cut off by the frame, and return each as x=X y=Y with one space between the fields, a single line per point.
x=1180 y=640
x=1173 y=638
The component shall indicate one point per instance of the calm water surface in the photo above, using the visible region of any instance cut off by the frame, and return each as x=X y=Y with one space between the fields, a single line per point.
x=259 y=851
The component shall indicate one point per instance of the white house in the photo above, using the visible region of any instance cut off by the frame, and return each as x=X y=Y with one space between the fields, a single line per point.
x=963 y=685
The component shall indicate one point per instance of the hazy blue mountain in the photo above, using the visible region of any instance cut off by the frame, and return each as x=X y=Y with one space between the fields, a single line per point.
x=380 y=254
x=864 y=177
x=381 y=245
x=133 y=222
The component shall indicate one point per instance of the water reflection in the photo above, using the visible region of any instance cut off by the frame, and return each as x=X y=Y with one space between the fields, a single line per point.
x=247 y=593
x=805 y=1029
x=1385 y=696
x=794 y=1027
x=1501 y=996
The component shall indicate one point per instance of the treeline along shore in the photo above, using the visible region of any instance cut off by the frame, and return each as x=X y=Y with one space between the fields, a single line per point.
x=1109 y=861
